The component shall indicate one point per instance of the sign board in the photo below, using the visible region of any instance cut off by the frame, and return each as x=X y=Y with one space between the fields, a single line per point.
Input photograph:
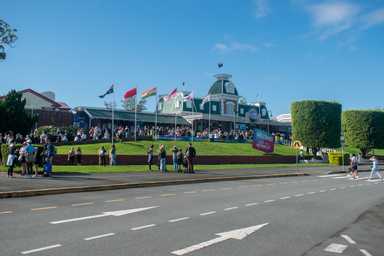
x=263 y=141
x=297 y=144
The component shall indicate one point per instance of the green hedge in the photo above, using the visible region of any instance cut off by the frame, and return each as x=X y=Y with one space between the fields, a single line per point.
x=317 y=124
x=363 y=129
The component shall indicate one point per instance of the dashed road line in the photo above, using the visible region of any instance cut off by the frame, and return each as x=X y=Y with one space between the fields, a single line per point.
x=332 y=189
x=285 y=197
x=143 y=227
x=311 y=193
x=228 y=188
x=167 y=195
x=231 y=208
x=208 y=190
x=179 y=219
x=6 y=212
x=269 y=201
x=365 y=252
x=299 y=195
x=190 y=192
x=251 y=204
x=41 y=249
x=348 y=239
x=322 y=191
x=43 y=208
x=329 y=175
x=82 y=204
x=115 y=200
x=98 y=236
x=207 y=213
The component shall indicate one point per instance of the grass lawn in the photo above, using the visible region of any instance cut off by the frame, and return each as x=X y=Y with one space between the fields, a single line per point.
x=202 y=148
x=143 y=168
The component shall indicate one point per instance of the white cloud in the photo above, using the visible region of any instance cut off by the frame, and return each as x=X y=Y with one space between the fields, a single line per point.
x=373 y=18
x=261 y=8
x=331 y=18
x=234 y=46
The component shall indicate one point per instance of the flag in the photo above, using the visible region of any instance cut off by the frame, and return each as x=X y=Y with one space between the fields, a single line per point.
x=149 y=92
x=110 y=90
x=130 y=93
x=220 y=65
x=189 y=97
x=205 y=100
x=171 y=94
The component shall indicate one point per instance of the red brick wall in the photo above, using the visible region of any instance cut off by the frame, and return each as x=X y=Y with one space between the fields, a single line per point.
x=142 y=159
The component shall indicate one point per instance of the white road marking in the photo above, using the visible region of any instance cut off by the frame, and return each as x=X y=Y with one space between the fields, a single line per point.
x=41 y=249
x=341 y=177
x=6 y=212
x=365 y=252
x=231 y=208
x=332 y=189
x=143 y=227
x=237 y=234
x=299 y=195
x=252 y=204
x=336 y=248
x=115 y=200
x=179 y=219
x=311 y=193
x=348 y=239
x=82 y=204
x=166 y=195
x=190 y=192
x=43 y=208
x=284 y=197
x=330 y=175
x=269 y=201
x=208 y=190
x=322 y=191
x=373 y=180
x=99 y=236
x=105 y=214
x=143 y=197
x=226 y=188
x=207 y=213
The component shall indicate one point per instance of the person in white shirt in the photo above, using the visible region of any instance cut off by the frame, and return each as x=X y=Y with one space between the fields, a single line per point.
x=375 y=170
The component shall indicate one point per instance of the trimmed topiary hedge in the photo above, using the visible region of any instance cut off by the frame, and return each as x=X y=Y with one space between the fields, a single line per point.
x=363 y=129
x=317 y=124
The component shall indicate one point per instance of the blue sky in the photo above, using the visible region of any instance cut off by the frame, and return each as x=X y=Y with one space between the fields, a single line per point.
x=278 y=51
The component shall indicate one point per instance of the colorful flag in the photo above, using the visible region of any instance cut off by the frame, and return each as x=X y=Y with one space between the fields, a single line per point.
x=189 y=97
x=110 y=90
x=220 y=65
x=171 y=94
x=205 y=100
x=149 y=92
x=130 y=93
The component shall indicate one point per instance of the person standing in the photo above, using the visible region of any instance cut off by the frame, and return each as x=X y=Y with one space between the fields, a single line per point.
x=163 y=158
x=190 y=154
x=30 y=158
x=78 y=155
x=11 y=159
x=180 y=158
x=112 y=155
x=354 y=166
x=38 y=160
x=71 y=156
x=375 y=170
x=22 y=158
x=150 y=157
x=174 y=159
x=102 y=155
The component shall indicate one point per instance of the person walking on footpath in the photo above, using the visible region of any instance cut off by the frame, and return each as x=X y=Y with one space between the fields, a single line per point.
x=71 y=156
x=78 y=155
x=190 y=154
x=112 y=155
x=354 y=166
x=102 y=156
x=11 y=159
x=375 y=169
x=163 y=158
x=150 y=157
x=174 y=159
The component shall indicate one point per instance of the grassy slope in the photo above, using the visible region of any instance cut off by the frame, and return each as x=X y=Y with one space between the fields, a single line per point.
x=203 y=148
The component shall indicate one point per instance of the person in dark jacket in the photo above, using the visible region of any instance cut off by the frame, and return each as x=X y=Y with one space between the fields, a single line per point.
x=150 y=157
x=190 y=154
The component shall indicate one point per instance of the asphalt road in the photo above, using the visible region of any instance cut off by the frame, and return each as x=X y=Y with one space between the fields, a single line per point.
x=280 y=216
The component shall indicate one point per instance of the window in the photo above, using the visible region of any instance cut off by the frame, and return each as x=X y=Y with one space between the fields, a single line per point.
x=214 y=107
x=241 y=111
x=202 y=107
x=188 y=104
x=229 y=108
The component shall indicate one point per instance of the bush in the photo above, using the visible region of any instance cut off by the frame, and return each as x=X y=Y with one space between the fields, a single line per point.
x=363 y=129
x=317 y=124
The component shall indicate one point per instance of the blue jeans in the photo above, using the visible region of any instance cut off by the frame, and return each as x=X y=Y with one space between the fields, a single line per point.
x=163 y=163
x=175 y=165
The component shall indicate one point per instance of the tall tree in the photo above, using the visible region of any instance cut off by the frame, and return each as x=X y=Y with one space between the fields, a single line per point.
x=363 y=129
x=317 y=124
x=7 y=37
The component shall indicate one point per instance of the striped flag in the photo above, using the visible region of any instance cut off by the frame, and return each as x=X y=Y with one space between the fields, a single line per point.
x=171 y=94
x=189 y=97
x=149 y=92
x=110 y=91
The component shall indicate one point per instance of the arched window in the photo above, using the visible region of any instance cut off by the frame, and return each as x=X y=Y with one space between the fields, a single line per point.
x=229 y=108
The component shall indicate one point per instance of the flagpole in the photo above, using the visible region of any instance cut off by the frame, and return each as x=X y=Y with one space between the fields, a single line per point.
x=209 y=118
x=193 y=132
x=157 y=102
x=113 y=116
x=135 y=119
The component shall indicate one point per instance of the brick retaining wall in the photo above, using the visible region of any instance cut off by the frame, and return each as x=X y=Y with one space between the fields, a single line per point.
x=142 y=159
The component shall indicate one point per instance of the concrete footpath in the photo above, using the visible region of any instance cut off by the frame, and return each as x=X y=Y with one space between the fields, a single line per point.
x=68 y=183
